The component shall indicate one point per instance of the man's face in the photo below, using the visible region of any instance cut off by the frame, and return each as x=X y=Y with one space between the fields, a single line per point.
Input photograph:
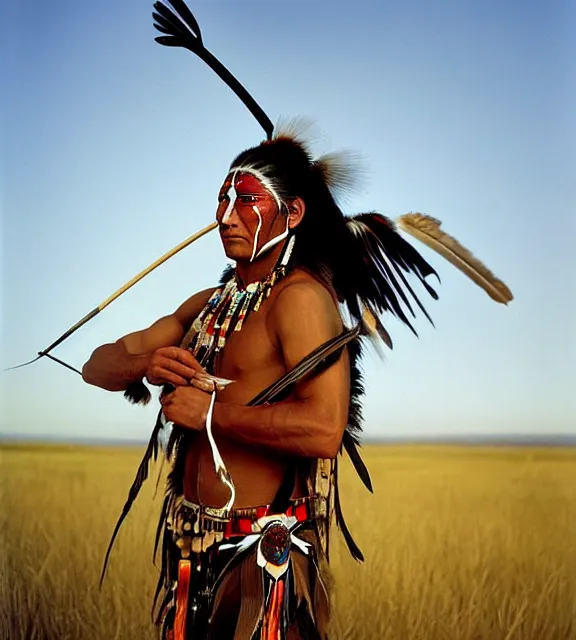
x=248 y=215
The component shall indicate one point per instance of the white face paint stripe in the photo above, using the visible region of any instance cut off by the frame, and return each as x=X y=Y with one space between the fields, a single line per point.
x=232 y=195
x=274 y=241
x=257 y=234
x=262 y=178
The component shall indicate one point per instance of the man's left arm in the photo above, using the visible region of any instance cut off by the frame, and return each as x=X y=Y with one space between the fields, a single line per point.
x=312 y=422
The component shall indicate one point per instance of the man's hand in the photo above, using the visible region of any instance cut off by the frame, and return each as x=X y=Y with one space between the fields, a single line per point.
x=173 y=365
x=186 y=407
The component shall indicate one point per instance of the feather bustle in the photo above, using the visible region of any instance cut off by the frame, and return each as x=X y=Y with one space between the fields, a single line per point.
x=384 y=253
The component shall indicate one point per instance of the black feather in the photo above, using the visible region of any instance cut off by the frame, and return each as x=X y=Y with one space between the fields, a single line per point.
x=162 y=29
x=161 y=530
x=169 y=20
x=166 y=25
x=137 y=393
x=411 y=291
x=141 y=476
x=163 y=515
x=354 y=427
x=177 y=27
x=399 y=251
x=176 y=21
x=168 y=41
x=381 y=288
x=361 y=470
x=187 y=17
x=383 y=256
x=352 y=546
x=227 y=274
x=315 y=362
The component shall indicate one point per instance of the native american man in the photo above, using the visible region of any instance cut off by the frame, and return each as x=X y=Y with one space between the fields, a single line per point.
x=258 y=219
x=261 y=388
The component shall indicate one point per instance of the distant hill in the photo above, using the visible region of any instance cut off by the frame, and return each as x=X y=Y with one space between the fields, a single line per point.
x=514 y=440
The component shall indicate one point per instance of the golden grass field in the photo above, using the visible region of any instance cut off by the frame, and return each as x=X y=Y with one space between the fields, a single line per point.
x=463 y=543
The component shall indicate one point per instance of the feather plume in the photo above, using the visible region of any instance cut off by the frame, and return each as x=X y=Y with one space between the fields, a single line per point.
x=302 y=129
x=174 y=19
x=343 y=172
x=427 y=230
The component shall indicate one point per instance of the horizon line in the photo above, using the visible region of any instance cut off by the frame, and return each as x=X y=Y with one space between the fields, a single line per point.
x=514 y=439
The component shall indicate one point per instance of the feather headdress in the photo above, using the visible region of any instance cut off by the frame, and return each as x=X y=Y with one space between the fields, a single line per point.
x=363 y=258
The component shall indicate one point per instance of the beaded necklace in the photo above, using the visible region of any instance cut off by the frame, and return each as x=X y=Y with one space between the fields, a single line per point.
x=226 y=311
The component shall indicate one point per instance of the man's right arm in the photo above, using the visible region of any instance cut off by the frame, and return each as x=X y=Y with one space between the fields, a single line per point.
x=114 y=366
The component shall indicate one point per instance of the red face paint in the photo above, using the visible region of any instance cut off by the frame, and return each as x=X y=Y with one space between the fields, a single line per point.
x=247 y=192
x=248 y=184
x=247 y=213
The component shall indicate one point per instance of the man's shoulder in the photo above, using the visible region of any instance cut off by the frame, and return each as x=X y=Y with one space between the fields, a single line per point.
x=300 y=282
x=301 y=292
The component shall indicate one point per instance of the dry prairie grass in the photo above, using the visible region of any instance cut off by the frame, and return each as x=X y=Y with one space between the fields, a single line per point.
x=462 y=544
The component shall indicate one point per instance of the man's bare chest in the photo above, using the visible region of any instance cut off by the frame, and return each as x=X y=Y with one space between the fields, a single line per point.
x=250 y=358
x=249 y=349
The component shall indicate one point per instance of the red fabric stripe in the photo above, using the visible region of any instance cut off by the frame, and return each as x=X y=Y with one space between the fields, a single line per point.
x=302 y=512
x=184 y=567
x=243 y=525
x=273 y=616
x=261 y=512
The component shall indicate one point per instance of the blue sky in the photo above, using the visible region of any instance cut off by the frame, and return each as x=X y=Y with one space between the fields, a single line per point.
x=116 y=148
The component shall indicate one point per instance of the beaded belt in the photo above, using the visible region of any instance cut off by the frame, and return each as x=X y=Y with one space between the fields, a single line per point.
x=196 y=527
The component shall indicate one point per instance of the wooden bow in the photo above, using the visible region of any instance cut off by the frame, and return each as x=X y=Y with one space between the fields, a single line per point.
x=114 y=296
